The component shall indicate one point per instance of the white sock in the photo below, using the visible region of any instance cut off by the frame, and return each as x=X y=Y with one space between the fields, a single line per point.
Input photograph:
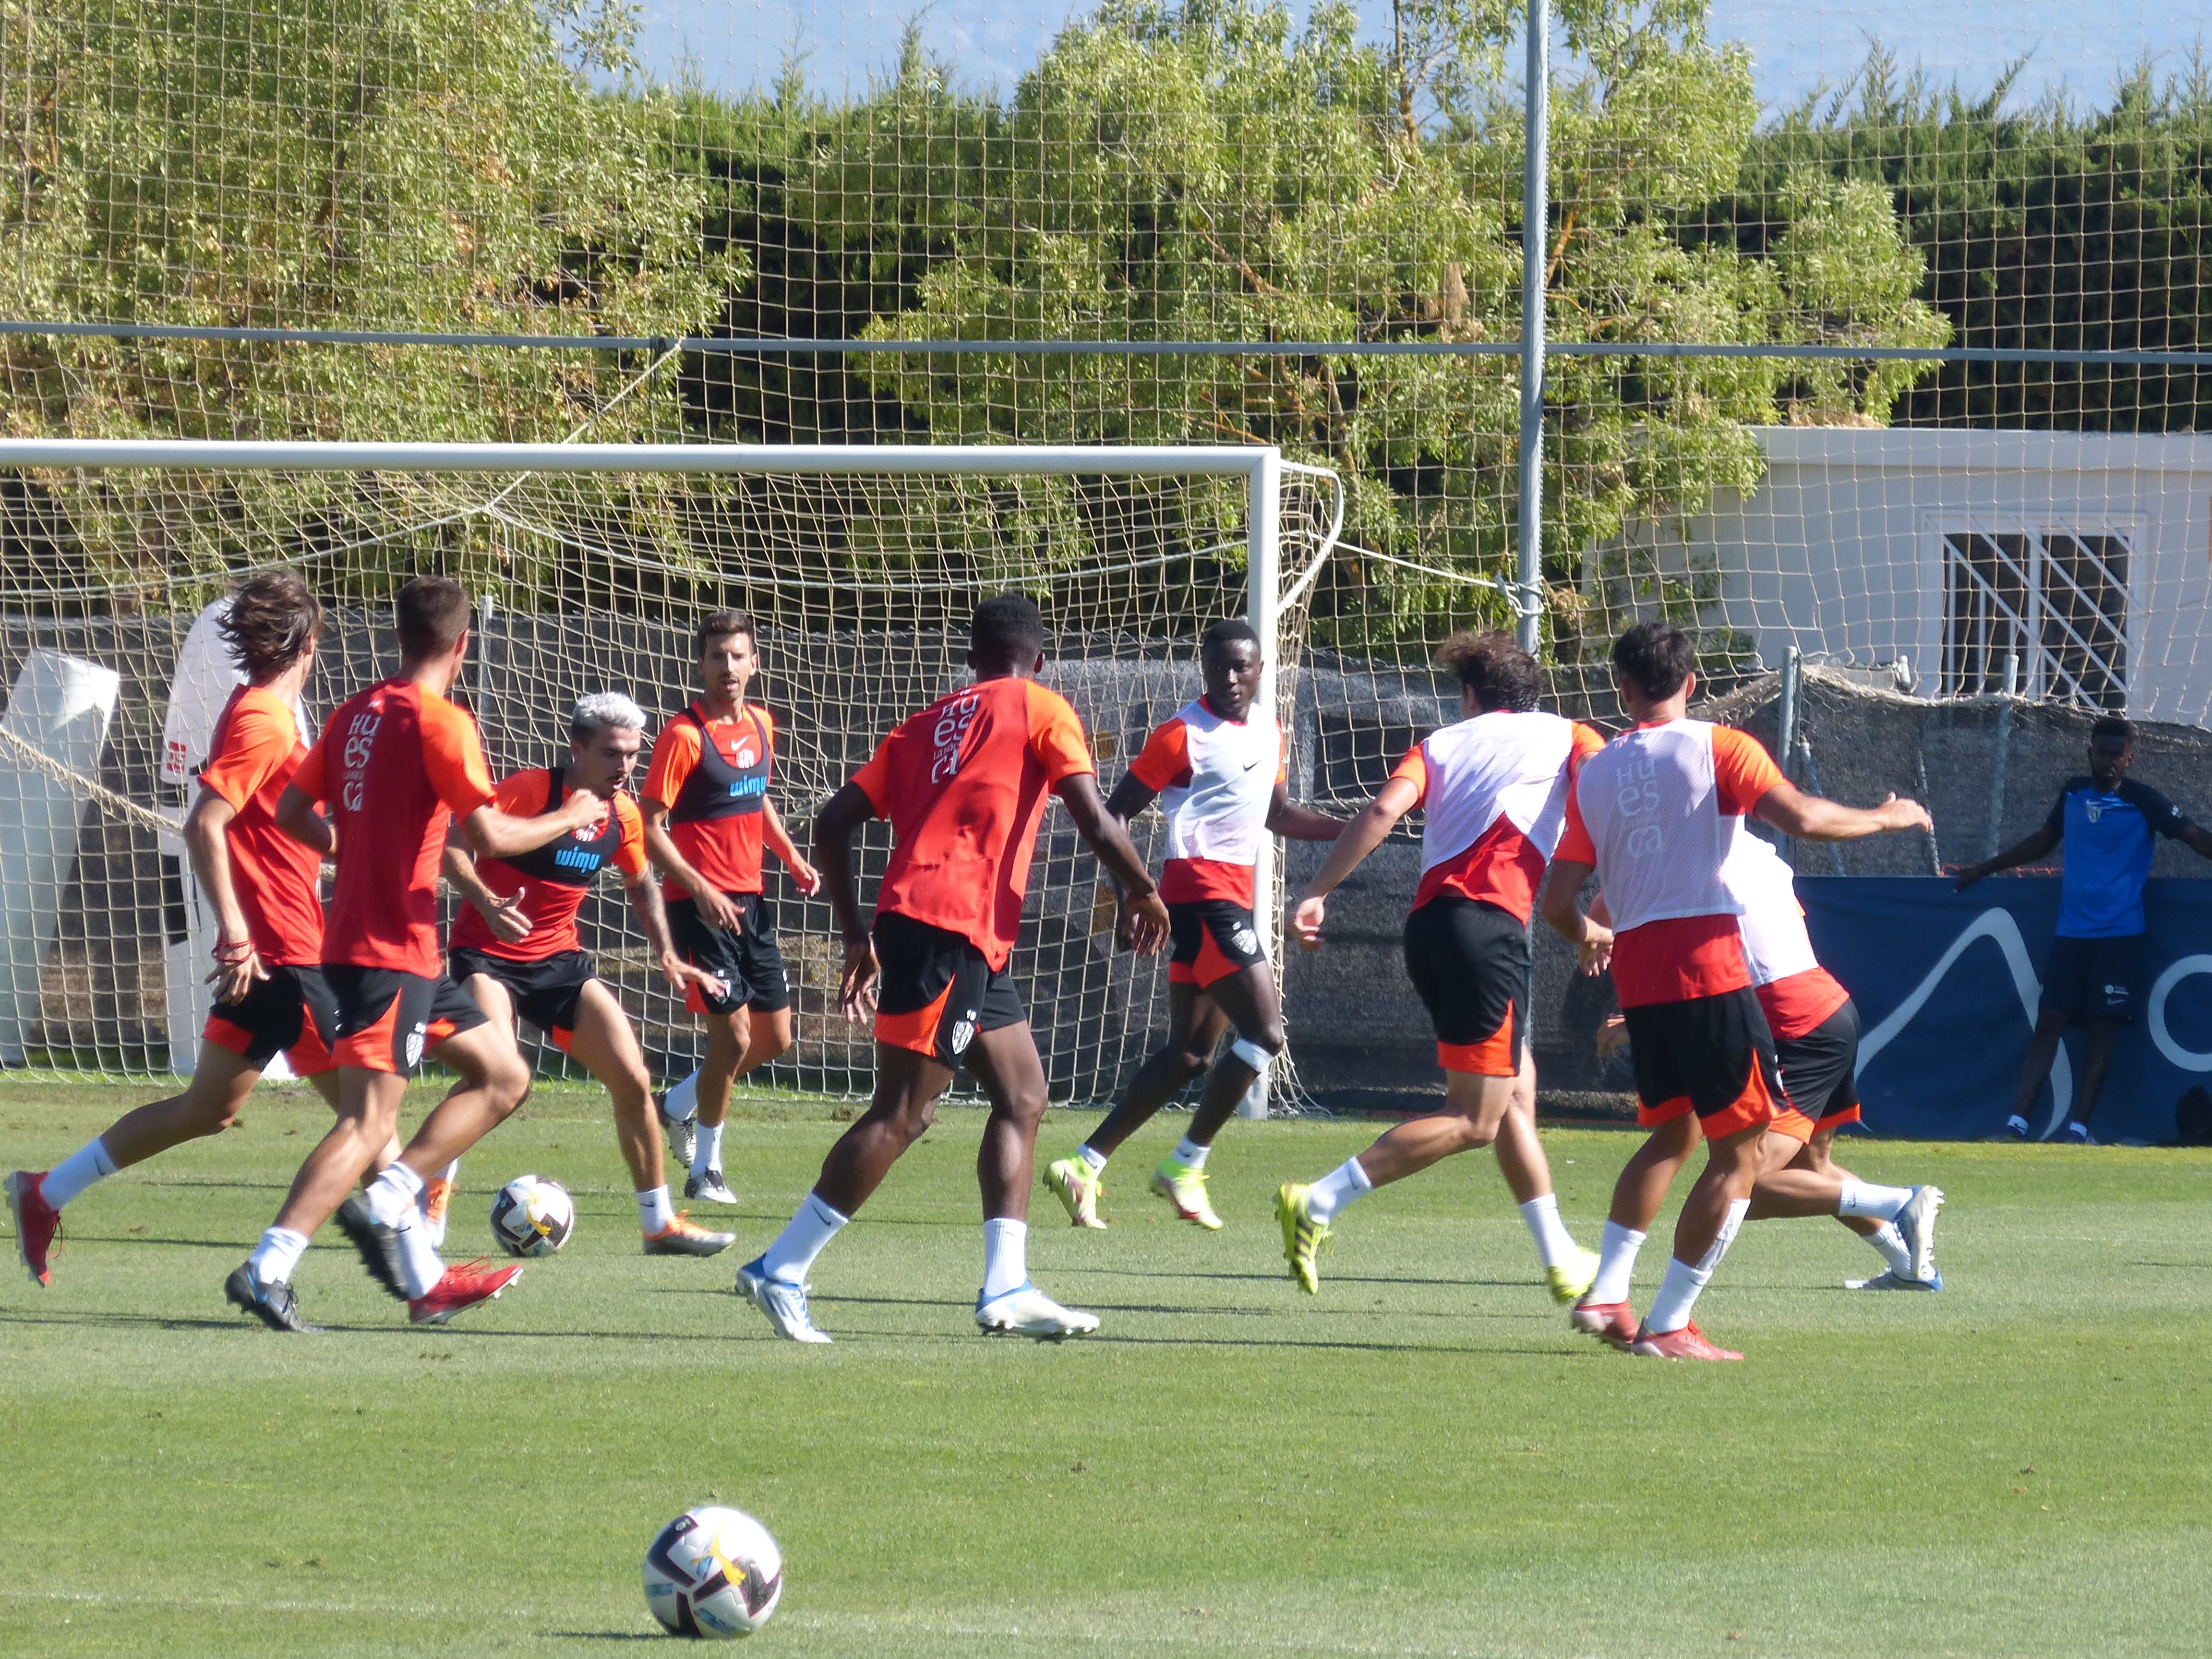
x=1190 y=1154
x=1091 y=1156
x=801 y=1240
x=655 y=1213
x=1553 y=1241
x=1891 y=1243
x=681 y=1102
x=707 y=1154
x=1338 y=1188
x=450 y=1174
x=87 y=1164
x=419 y=1266
x=1616 y=1263
x=1677 y=1294
x=392 y=1196
x=1005 y=1256
x=277 y=1255
x=1880 y=1203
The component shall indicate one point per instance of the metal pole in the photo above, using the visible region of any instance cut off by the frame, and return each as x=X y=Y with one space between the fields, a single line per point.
x=1263 y=609
x=1535 y=215
x=2004 y=753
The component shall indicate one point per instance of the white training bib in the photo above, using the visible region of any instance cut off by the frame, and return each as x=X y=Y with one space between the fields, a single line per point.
x=1500 y=765
x=1775 y=943
x=1651 y=802
x=1221 y=813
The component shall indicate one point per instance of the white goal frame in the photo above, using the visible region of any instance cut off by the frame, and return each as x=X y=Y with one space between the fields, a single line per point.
x=1262 y=467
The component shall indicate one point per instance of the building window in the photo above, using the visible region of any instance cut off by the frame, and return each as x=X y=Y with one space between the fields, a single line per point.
x=2058 y=598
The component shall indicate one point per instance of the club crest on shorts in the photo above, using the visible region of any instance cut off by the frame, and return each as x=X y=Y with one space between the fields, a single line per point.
x=415 y=1040
x=1246 y=941
x=963 y=1033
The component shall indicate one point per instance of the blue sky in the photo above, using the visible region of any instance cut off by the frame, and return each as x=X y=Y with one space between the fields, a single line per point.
x=1795 y=46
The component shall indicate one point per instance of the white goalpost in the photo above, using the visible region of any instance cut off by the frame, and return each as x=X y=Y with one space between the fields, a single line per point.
x=592 y=563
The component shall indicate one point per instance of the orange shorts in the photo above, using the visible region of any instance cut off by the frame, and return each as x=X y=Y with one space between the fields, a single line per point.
x=388 y=1019
x=1711 y=1055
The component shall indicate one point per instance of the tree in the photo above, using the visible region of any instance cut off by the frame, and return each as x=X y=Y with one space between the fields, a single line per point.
x=415 y=166
x=1212 y=171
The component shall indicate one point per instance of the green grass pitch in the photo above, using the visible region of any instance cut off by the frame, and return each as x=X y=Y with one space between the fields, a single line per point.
x=1421 y=1460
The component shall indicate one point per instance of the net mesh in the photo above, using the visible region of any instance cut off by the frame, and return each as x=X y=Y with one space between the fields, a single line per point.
x=862 y=584
x=1878 y=332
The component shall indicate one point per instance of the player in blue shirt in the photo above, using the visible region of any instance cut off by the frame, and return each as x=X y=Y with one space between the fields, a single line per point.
x=2106 y=821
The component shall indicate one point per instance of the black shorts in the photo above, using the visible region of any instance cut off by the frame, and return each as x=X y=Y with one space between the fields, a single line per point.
x=290 y=1013
x=937 y=992
x=1471 y=965
x=1213 y=938
x=1821 y=1071
x=2091 y=978
x=545 y=992
x=745 y=956
x=386 y=1018
x=1711 y=1055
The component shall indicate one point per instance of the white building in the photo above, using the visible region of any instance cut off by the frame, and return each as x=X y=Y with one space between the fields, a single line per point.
x=2089 y=556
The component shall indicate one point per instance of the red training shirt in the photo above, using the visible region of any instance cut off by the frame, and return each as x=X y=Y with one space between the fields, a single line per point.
x=1503 y=867
x=964 y=784
x=395 y=764
x=256 y=751
x=716 y=811
x=1685 y=956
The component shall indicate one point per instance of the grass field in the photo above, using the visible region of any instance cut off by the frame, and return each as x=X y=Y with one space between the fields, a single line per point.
x=1421 y=1460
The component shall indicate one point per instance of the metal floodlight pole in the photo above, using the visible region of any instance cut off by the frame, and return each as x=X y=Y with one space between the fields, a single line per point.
x=1535 y=214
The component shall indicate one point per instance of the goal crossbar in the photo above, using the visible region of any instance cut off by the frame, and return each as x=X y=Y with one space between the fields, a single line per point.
x=1262 y=466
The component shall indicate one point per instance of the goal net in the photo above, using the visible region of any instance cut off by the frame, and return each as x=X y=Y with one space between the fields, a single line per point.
x=591 y=565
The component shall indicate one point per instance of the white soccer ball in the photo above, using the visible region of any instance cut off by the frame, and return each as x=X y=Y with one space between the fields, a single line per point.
x=714 y=1572
x=531 y=1216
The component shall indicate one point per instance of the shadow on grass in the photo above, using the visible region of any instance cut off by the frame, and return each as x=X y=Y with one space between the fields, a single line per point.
x=605 y=1635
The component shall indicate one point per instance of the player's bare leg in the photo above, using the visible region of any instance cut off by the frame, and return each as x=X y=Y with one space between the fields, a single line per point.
x=1714 y=1208
x=222 y=1079
x=494 y=1079
x=907 y=1087
x=1005 y=1061
x=606 y=1044
x=1569 y=1269
x=1641 y=1187
x=1246 y=1002
x=738 y=1044
x=1473 y=1107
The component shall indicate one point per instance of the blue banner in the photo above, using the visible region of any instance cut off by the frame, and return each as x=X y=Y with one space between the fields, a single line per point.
x=1947 y=986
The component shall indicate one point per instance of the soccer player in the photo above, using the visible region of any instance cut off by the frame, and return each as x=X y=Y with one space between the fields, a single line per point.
x=708 y=815
x=2106 y=821
x=515 y=948
x=1655 y=814
x=395 y=764
x=964 y=784
x=1217 y=769
x=271 y=997
x=1815 y=1027
x=1494 y=784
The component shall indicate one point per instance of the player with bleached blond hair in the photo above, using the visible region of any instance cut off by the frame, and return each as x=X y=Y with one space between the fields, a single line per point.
x=515 y=949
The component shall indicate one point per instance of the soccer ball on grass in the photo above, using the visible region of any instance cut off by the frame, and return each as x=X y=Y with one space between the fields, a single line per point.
x=714 y=1572
x=531 y=1216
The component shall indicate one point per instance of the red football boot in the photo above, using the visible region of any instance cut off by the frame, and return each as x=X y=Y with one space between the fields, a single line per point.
x=1612 y=1324
x=461 y=1289
x=38 y=1224
x=1688 y=1343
